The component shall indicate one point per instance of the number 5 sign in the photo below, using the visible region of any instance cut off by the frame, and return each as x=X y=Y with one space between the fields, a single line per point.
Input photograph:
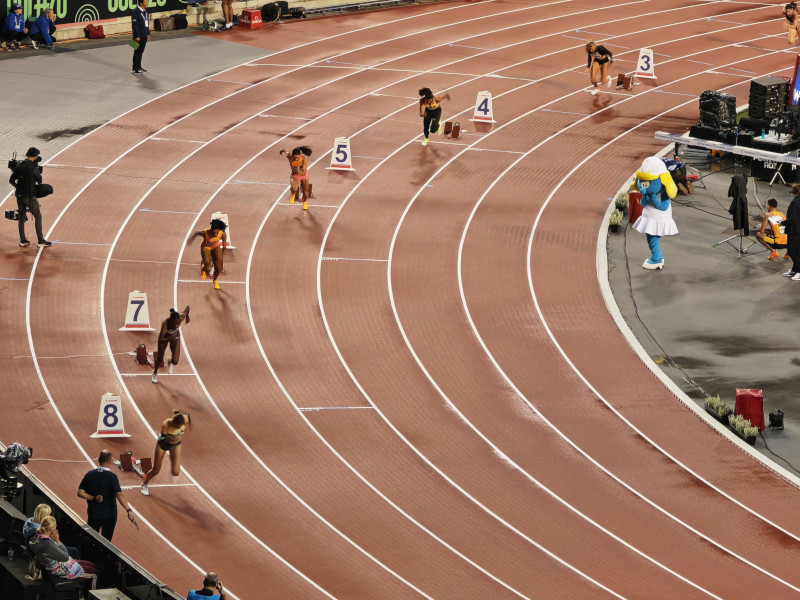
x=483 y=108
x=137 y=317
x=109 y=421
x=645 y=67
x=341 y=158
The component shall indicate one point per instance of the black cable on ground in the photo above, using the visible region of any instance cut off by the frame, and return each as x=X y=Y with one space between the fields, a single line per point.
x=791 y=466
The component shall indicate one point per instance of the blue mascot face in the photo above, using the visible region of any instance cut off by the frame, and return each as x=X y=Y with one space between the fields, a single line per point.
x=651 y=187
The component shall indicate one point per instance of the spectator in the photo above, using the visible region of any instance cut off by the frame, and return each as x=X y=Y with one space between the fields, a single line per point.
x=31 y=525
x=52 y=556
x=212 y=589
x=14 y=30
x=42 y=30
x=140 y=23
x=772 y=234
x=792 y=228
x=100 y=488
x=678 y=171
x=26 y=177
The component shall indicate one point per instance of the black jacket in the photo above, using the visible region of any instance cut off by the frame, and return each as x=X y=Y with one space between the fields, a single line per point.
x=25 y=178
x=792 y=222
x=140 y=23
x=738 y=208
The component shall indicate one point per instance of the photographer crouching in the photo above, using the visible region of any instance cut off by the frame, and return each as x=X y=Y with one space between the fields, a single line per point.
x=26 y=177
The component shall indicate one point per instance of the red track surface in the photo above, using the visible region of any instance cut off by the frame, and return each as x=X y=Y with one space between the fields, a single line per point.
x=414 y=389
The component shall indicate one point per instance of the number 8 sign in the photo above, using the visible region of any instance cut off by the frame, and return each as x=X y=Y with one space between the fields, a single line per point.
x=645 y=67
x=109 y=421
x=341 y=158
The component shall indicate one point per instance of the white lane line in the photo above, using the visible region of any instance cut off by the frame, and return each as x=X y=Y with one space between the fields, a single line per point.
x=49 y=164
x=298 y=204
x=13 y=279
x=160 y=374
x=171 y=212
x=346 y=366
x=157 y=485
x=334 y=258
x=208 y=281
x=44 y=385
x=80 y=243
x=318 y=408
x=589 y=386
x=163 y=139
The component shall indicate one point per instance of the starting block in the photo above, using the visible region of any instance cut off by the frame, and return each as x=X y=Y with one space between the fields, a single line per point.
x=626 y=81
x=452 y=130
x=128 y=463
x=251 y=19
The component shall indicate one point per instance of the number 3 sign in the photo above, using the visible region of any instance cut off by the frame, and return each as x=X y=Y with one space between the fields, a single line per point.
x=341 y=158
x=645 y=67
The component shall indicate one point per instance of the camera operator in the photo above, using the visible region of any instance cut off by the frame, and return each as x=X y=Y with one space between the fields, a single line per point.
x=212 y=589
x=26 y=178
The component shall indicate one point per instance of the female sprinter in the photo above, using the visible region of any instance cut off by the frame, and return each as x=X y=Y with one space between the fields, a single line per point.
x=597 y=65
x=212 y=249
x=169 y=440
x=431 y=112
x=792 y=22
x=299 y=163
x=170 y=335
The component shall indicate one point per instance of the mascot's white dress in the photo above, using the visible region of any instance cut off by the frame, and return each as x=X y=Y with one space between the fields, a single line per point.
x=657 y=188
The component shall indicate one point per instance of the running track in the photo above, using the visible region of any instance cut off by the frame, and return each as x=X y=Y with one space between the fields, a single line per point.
x=413 y=390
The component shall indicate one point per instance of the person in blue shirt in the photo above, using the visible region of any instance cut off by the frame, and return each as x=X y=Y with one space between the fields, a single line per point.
x=212 y=589
x=14 y=30
x=43 y=29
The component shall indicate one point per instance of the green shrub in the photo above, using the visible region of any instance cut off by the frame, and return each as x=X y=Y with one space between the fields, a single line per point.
x=615 y=218
x=621 y=201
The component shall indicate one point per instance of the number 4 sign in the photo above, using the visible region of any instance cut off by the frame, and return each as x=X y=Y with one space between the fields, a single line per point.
x=341 y=158
x=109 y=421
x=645 y=67
x=483 y=108
x=137 y=316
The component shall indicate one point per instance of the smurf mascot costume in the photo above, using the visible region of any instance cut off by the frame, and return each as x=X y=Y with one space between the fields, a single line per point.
x=657 y=189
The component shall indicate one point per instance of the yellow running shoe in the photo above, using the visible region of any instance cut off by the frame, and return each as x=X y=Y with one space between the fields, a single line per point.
x=291 y=200
x=203 y=274
x=305 y=205
x=441 y=127
x=425 y=142
x=216 y=285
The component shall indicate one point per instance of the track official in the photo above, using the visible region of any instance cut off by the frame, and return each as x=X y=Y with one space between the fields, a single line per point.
x=100 y=488
x=140 y=23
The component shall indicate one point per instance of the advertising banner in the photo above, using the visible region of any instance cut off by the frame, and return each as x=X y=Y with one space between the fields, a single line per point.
x=78 y=11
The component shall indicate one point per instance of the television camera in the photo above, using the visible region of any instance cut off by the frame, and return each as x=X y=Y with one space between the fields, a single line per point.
x=10 y=460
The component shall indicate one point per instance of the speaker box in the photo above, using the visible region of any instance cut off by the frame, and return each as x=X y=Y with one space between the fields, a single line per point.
x=717 y=109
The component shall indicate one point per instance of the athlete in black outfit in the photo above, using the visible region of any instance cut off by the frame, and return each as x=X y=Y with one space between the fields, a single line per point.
x=599 y=57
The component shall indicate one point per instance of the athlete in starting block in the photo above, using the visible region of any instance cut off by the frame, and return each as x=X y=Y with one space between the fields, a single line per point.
x=431 y=112
x=299 y=179
x=597 y=66
x=212 y=249
x=169 y=440
x=170 y=335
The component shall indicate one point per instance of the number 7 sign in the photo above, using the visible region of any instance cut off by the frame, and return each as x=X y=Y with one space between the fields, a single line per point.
x=137 y=316
x=341 y=157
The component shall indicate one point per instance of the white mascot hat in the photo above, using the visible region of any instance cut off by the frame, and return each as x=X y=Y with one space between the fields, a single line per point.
x=654 y=168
